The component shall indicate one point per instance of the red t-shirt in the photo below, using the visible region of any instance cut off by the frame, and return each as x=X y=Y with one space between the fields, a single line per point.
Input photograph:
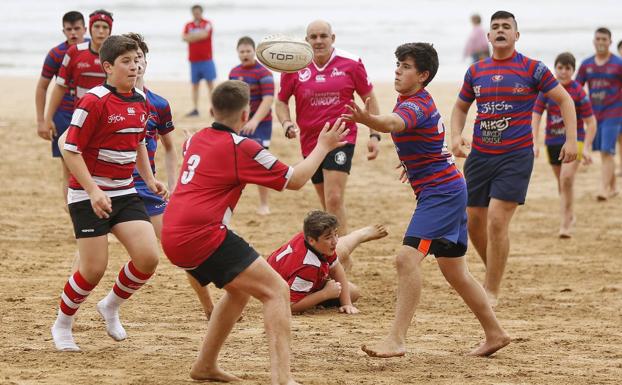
x=322 y=94
x=217 y=165
x=106 y=128
x=305 y=269
x=200 y=50
x=81 y=69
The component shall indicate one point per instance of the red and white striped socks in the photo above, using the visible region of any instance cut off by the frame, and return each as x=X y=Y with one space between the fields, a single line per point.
x=128 y=281
x=75 y=292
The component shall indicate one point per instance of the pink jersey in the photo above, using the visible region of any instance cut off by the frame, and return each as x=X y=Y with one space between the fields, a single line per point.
x=81 y=69
x=106 y=128
x=322 y=94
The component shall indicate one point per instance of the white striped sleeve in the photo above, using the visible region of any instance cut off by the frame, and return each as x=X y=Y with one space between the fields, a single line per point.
x=78 y=117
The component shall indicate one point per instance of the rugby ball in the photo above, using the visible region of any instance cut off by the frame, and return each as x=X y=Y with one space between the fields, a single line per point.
x=284 y=54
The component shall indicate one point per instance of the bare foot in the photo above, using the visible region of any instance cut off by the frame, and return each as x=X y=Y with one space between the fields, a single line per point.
x=601 y=197
x=263 y=210
x=565 y=232
x=385 y=349
x=492 y=298
x=489 y=347
x=214 y=374
x=373 y=232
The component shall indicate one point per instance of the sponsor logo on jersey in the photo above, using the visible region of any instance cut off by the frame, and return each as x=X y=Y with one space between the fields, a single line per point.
x=320 y=78
x=492 y=129
x=88 y=231
x=131 y=111
x=97 y=61
x=414 y=107
x=336 y=73
x=304 y=74
x=519 y=89
x=115 y=118
x=494 y=107
x=539 y=71
x=476 y=90
x=324 y=99
x=83 y=65
x=497 y=78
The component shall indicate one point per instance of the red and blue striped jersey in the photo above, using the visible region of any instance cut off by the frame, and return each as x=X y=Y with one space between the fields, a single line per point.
x=261 y=84
x=605 y=84
x=51 y=66
x=555 y=130
x=421 y=146
x=505 y=91
x=160 y=123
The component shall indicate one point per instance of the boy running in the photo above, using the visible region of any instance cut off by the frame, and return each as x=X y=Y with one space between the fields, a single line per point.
x=438 y=225
x=218 y=164
x=101 y=147
x=556 y=136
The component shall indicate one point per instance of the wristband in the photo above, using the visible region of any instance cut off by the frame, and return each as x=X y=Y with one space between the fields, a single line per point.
x=375 y=135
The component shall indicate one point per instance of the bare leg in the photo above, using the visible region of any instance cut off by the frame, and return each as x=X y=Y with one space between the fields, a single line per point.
x=457 y=274
x=608 y=182
x=264 y=208
x=567 y=176
x=334 y=194
x=195 y=96
x=204 y=296
x=347 y=243
x=319 y=189
x=355 y=293
x=210 y=89
x=499 y=216
x=65 y=181
x=477 y=224
x=620 y=149
x=408 y=292
x=556 y=171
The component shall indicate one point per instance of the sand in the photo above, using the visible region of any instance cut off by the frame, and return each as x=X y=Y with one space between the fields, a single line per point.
x=561 y=299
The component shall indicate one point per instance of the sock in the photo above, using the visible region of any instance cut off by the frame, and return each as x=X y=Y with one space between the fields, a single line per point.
x=129 y=280
x=75 y=292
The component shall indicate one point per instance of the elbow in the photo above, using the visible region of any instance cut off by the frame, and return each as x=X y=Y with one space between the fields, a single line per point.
x=294 y=184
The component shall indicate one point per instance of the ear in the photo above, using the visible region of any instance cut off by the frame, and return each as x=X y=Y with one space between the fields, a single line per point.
x=307 y=39
x=517 y=35
x=423 y=76
x=333 y=37
x=245 y=115
x=211 y=112
x=107 y=66
x=488 y=37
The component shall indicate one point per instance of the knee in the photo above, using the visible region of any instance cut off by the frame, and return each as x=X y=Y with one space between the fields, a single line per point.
x=278 y=290
x=565 y=181
x=405 y=262
x=92 y=274
x=497 y=225
x=147 y=263
x=334 y=199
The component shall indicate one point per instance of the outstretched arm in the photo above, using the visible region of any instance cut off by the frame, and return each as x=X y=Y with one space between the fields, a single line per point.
x=381 y=123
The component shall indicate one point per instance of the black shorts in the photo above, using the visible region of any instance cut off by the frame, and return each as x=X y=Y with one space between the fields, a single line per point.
x=340 y=159
x=503 y=176
x=553 y=153
x=125 y=208
x=231 y=258
x=441 y=247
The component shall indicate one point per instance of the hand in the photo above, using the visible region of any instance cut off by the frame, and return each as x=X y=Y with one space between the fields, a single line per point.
x=536 y=150
x=568 y=152
x=403 y=174
x=460 y=146
x=101 y=203
x=249 y=128
x=333 y=137
x=291 y=130
x=46 y=130
x=587 y=156
x=332 y=289
x=357 y=114
x=158 y=188
x=348 y=309
x=373 y=148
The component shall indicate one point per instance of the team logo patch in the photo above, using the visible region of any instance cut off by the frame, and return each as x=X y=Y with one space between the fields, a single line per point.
x=539 y=71
x=477 y=90
x=131 y=111
x=341 y=158
x=497 y=78
x=519 y=89
x=336 y=72
x=304 y=74
x=320 y=78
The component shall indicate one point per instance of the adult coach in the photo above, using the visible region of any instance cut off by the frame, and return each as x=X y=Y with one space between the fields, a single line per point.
x=499 y=165
x=321 y=92
x=603 y=74
x=198 y=35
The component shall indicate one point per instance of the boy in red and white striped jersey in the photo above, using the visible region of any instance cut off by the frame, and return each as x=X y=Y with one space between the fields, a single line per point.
x=104 y=142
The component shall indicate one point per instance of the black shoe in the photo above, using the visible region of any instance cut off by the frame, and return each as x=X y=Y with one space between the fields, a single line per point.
x=194 y=112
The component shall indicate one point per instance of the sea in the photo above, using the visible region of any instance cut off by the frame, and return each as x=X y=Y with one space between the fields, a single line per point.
x=369 y=29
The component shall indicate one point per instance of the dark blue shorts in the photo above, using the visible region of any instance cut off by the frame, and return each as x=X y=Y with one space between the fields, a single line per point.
x=504 y=177
x=202 y=70
x=440 y=216
x=154 y=203
x=607 y=133
x=262 y=134
x=61 y=119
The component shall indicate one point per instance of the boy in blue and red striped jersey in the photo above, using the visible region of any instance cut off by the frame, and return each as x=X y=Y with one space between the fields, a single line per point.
x=103 y=144
x=499 y=166
x=556 y=136
x=261 y=83
x=74 y=30
x=439 y=223
x=603 y=75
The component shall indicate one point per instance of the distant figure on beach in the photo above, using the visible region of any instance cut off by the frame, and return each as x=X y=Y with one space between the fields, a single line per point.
x=603 y=74
x=321 y=92
x=500 y=161
x=477 y=44
x=198 y=35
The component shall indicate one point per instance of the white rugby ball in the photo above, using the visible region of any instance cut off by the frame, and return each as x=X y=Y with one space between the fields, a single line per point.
x=284 y=54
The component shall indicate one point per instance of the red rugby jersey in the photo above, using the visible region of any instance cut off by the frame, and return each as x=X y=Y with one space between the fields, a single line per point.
x=217 y=165
x=106 y=128
x=305 y=269
x=81 y=70
x=200 y=50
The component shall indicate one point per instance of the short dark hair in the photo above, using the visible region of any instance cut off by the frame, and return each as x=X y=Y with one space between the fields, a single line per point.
x=503 y=15
x=230 y=96
x=423 y=54
x=115 y=46
x=139 y=39
x=246 y=40
x=196 y=6
x=604 y=30
x=73 y=17
x=566 y=59
x=317 y=223
x=619 y=44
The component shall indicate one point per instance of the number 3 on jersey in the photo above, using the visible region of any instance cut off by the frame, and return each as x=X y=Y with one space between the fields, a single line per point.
x=187 y=175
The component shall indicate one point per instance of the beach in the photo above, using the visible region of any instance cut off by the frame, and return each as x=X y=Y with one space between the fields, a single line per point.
x=561 y=300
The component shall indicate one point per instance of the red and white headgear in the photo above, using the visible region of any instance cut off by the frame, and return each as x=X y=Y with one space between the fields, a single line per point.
x=98 y=16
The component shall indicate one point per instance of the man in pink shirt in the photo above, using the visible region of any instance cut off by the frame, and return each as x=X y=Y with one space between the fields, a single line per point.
x=477 y=45
x=321 y=92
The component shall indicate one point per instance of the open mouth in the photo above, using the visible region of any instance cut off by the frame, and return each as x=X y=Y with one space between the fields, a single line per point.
x=500 y=38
